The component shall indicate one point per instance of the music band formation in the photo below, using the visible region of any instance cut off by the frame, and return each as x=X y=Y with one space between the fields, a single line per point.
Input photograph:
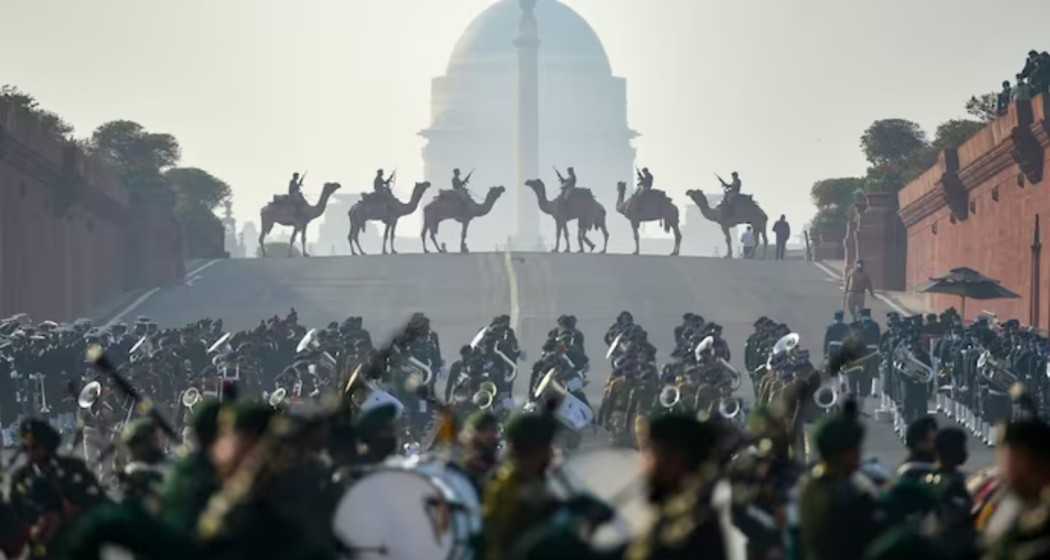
x=289 y=441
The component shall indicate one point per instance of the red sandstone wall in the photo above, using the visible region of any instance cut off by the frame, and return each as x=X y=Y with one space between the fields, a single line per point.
x=65 y=224
x=996 y=235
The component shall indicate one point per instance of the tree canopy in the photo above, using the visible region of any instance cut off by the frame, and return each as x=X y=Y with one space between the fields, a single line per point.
x=893 y=141
x=195 y=186
x=50 y=122
x=983 y=107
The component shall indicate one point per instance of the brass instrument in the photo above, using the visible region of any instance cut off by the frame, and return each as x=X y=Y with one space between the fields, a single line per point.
x=730 y=407
x=89 y=394
x=190 y=398
x=995 y=372
x=670 y=396
x=913 y=367
x=485 y=396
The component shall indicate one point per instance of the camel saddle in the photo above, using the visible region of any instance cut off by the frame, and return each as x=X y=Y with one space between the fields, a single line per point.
x=372 y=197
x=452 y=195
x=653 y=194
x=285 y=199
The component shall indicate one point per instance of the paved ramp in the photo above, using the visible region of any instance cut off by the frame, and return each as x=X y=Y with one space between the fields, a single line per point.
x=460 y=293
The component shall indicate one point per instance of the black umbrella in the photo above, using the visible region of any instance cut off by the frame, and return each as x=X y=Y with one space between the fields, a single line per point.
x=967 y=283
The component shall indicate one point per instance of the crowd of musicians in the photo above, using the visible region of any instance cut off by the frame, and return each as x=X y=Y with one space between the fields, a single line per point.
x=289 y=442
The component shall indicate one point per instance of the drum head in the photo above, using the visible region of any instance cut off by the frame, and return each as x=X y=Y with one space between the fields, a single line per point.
x=611 y=475
x=394 y=514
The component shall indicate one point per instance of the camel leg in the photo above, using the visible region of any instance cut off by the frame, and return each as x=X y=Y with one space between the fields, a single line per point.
x=565 y=229
x=357 y=239
x=433 y=237
x=605 y=234
x=463 y=238
x=765 y=243
x=302 y=240
x=386 y=233
x=423 y=237
x=266 y=227
x=637 y=245
x=557 y=237
x=729 y=242
x=579 y=237
x=677 y=240
x=393 y=235
x=590 y=245
x=291 y=242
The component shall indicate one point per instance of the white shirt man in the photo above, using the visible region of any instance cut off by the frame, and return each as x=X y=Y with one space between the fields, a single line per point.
x=747 y=240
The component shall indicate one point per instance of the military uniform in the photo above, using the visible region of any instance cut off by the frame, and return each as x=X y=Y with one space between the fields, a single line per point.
x=857 y=284
x=49 y=495
x=686 y=526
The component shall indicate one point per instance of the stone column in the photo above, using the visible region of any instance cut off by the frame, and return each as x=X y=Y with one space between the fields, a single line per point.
x=526 y=222
x=882 y=242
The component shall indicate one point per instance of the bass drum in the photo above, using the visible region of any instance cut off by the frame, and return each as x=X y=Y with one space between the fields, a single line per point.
x=398 y=513
x=612 y=476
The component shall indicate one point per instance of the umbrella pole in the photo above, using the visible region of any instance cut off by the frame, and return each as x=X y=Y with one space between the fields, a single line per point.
x=963 y=309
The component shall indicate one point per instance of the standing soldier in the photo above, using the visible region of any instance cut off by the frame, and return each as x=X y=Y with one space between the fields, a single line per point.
x=681 y=470
x=857 y=284
x=837 y=510
x=782 y=230
x=836 y=332
x=517 y=500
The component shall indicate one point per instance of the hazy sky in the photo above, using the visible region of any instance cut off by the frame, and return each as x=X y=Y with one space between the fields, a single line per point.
x=253 y=89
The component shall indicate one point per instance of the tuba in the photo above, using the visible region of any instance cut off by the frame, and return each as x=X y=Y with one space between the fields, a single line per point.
x=89 y=394
x=912 y=367
x=995 y=373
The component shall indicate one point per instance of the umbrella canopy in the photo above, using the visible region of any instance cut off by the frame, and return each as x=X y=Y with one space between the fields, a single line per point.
x=967 y=283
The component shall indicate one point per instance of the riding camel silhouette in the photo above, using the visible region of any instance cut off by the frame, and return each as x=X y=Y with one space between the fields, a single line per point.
x=449 y=205
x=580 y=206
x=282 y=210
x=649 y=206
x=745 y=211
x=383 y=208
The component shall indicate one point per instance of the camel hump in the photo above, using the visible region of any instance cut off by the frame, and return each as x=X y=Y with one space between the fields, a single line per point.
x=582 y=193
x=369 y=197
x=449 y=195
x=657 y=195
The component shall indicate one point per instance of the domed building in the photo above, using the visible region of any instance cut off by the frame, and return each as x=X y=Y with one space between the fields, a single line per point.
x=573 y=113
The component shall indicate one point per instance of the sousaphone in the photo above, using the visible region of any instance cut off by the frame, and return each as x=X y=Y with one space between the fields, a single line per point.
x=89 y=394
x=219 y=343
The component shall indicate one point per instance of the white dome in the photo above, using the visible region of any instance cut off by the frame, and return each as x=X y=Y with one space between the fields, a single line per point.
x=565 y=37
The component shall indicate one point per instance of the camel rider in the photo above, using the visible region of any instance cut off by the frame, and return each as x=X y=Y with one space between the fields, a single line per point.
x=568 y=183
x=645 y=179
x=460 y=185
x=381 y=185
x=730 y=191
x=295 y=191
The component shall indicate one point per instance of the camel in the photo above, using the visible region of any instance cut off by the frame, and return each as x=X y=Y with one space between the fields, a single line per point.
x=450 y=205
x=745 y=211
x=580 y=206
x=649 y=206
x=282 y=211
x=386 y=209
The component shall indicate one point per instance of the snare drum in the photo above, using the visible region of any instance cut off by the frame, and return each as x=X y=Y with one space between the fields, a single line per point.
x=405 y=512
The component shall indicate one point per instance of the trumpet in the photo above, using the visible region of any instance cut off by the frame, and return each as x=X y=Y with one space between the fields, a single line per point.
x=190 y=398
x=730 y=407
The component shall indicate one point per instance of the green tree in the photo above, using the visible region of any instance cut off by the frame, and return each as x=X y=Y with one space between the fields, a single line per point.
x=954 y=133
x=197 y=187
x=893 y=141
x=139 y=155
x=50 y=122
x=983 y=106
x=833 y=198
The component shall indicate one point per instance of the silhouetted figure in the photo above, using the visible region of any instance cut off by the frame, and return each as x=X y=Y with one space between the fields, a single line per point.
x=1002 y=103
x=783 y=232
